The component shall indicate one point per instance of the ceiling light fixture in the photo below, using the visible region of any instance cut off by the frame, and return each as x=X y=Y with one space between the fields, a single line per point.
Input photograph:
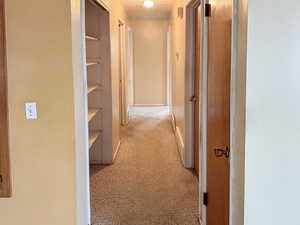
x=148 y=4
x=212 y=2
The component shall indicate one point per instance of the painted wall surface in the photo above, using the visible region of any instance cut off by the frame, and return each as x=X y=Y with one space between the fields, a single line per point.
x=80 y=113
x=150 y=61
x=40 y=68
x=178 y=57
x=116 y=12
x=272 y=113
x=39 y=64
x=238 y=96
x=178 y=30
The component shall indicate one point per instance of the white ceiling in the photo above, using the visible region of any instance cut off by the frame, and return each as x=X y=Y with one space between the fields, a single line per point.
x=136 y=10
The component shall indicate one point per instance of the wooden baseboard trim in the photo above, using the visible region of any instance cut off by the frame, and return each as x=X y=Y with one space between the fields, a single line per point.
x=180 y=144
x=200 y=221
x=173 y=122
x=117 y=150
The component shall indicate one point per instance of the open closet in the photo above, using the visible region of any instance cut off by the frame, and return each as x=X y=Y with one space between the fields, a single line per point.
x=98 y=63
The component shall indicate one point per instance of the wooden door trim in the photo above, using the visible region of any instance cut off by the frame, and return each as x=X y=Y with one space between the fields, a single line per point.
x=5 y=186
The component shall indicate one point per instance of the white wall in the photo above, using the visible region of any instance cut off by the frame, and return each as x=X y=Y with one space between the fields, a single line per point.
x=272 y=111
x=81 y=119
x=238 y=97
x=150 y=61
x=178 y=69
x=40 y=69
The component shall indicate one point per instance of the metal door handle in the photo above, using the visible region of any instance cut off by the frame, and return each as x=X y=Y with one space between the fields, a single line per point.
x=222 y=152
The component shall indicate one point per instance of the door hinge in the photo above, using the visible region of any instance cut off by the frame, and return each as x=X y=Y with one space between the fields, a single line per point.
x=205 y=198
x=207 y=10
x=1 y=179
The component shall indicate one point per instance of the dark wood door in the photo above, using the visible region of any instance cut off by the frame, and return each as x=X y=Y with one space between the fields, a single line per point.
x=218 y=114
x=5 y=189
x=196 y=98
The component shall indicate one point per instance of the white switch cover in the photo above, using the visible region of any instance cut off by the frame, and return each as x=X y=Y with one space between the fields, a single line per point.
x=30 y=109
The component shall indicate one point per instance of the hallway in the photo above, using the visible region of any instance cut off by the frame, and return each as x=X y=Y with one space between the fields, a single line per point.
x=147 y=184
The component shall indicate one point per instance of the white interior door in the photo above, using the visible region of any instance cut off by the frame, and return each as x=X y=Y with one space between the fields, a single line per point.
x=130 y=67
x=169 y=69
x=123 y=74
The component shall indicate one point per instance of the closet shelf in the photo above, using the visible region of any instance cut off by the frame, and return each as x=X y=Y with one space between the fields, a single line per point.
x=92 y=63
x=93 y=113
x=91 y=38
x=93 y=137
x=92 y=88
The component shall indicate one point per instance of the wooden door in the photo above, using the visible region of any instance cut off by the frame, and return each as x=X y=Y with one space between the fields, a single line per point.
x=196 y=98
x=5 y=189
x=218 y=114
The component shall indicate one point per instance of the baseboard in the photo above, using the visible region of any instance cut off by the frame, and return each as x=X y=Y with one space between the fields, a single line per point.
x=96 y=162
x=101 y=162
x=200 y=221
x=180 y=144
x=179 y=139
x=117 y=150
x=173 y=122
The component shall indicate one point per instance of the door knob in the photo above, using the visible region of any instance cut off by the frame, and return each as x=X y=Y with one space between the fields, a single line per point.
x=222 y=152
x=193 y=99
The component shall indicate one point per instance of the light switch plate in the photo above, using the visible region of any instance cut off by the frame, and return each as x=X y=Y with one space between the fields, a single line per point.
x=31 y=111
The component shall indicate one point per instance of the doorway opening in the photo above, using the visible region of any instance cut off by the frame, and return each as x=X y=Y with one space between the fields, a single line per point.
x=222 y=107
x=146 y=163
x=99 y=90
x=198 y=148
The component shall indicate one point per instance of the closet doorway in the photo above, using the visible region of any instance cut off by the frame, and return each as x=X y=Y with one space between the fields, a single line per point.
x=99 y=88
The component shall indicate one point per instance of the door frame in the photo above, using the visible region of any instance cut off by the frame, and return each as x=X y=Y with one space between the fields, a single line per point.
x=123 y=71
x=188 y=156
x=5 y=186
x=189 y=92
x=237 y=105
x=238 y=100
x=82 y=159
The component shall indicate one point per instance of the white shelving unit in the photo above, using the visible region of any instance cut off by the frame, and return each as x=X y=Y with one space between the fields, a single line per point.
x=98 y=78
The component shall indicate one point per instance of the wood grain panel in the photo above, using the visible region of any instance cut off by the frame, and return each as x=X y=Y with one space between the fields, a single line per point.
x=218 y=114
x=5 y=184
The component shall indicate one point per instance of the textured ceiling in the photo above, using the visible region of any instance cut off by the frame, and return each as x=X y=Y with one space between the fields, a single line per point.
x=136 y=10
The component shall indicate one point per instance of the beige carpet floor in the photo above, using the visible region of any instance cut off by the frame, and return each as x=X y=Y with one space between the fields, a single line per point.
x=147 y=184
